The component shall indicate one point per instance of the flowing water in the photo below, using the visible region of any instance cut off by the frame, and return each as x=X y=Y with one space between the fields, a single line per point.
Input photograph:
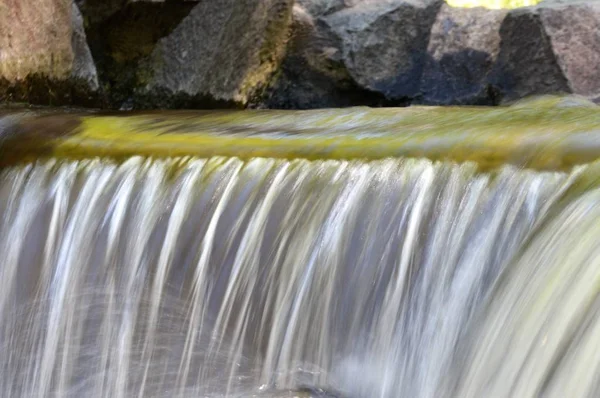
x=191 y=277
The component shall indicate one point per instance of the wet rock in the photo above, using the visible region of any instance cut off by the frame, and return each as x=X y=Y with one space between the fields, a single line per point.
x=326 y=7
x=44 y=56
x=463 y=47
x=551 y=48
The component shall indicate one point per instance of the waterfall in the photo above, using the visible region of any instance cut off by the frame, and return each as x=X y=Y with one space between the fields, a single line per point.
x=189 y=277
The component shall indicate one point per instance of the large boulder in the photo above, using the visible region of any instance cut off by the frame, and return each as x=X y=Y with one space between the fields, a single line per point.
x=354 y=52
x=551 y=48
x=44 y=56
x=177 y=54
x=313 y=73
x=384 y=43
x=222 y=51
x=463 y=48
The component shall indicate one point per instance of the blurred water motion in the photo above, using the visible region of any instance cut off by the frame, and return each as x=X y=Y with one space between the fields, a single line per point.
x=219 y=276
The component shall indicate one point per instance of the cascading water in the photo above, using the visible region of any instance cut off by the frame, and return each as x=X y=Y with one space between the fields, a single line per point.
x=189 y=277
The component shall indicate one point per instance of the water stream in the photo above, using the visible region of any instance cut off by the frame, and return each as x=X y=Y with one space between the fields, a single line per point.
x=191 y=277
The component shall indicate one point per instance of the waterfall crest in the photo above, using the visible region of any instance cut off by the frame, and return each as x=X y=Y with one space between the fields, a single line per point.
x=189 y=277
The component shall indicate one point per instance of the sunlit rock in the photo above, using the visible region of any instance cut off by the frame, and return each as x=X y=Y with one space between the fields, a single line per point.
x=551 y=48
x=44 y=56
x=222 y=51
x=313 y=73
x=494 y=4
x=348 y=52
x=462 y=49
x=188 y=54
x=384 y=43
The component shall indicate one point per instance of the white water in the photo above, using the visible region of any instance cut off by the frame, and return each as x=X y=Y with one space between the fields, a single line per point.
x=217 y=277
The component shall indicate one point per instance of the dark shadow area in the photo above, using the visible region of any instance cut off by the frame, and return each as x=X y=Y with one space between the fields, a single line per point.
x=526 y=63
x=459 y=78
x=123 y=40
x=300 y=87
x=41 y=90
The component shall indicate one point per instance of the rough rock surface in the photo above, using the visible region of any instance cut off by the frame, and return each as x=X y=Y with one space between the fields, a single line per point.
x=551 y=48
x=44 y=56
x=180 y=54
x=313 y=74
x=123 y=40
x=354 y=52
x=286 y=54
x=575 y=34
x=222 y=51
x=463 y=47
x=384 y=43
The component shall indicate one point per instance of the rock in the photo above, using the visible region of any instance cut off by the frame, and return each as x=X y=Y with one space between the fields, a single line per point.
x=551 y=48
x=384 y=43
x=323 y=7
x=44 y=57
x=313 y=74
x=222 y=52
x=573 y=31
x=463 y=48
x=83 y=67
x=96 y=11
x=125 y=39
x=353 y=52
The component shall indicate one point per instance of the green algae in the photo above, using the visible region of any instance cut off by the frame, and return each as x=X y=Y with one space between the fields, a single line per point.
x=549 y=133
x=495 y=4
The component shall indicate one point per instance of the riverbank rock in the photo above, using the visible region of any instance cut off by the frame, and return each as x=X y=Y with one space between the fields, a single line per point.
x=44 y=56
x=462 y=50
x=350 y=52
x=384 y=43
x=143 y=54
x=313 y=73
x=178 y=54
x=551 y=48
x=225 y=50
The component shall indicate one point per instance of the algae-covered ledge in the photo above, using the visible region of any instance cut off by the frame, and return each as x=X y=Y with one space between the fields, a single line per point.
x=550 y=133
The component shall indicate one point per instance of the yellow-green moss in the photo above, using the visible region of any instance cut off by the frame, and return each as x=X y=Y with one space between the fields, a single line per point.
x=495 y=4
x=549 y=133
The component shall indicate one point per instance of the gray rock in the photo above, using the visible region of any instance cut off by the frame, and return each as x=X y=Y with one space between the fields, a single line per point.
x=222 y=51
x=463 y=47
x=83 y=68
x=384 y=43
x=354 y=52
x=548 y=49
x=313 y=74
x=318 y=8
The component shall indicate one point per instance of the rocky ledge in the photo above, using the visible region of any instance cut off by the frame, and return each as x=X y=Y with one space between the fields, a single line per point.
x=142 y=54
